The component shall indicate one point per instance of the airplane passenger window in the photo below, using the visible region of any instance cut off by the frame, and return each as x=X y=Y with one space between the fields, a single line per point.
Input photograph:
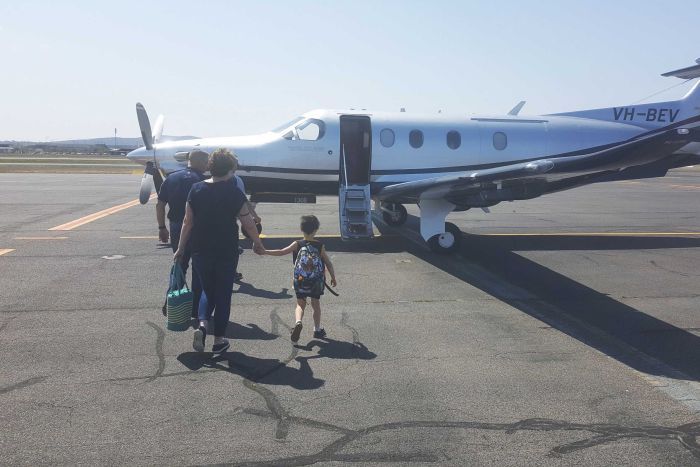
x=310 y=129
x=500 y=140
x=454 y=139
x=387 y=137
x=415 y=138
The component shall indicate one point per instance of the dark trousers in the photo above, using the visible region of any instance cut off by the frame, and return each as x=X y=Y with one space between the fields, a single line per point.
x=216 y=277
x=175 y=228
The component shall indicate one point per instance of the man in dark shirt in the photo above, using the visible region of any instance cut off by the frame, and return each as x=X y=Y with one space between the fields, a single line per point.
x=173 y=193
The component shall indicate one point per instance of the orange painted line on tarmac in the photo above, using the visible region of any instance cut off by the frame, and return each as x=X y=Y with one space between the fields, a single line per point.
x=144 y=237
x=689 y=187
x=97 y=215
x=4 y=251
x=591 y=234
x=41 y=238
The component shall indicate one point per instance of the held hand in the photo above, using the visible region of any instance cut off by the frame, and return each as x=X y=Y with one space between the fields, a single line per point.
x=259 y=249
x=257 y=219
x=163 y=235
x=333 y=282
x=177 y=256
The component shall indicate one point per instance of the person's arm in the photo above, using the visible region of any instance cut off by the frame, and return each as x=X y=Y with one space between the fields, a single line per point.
x=284 y=251
x=248 y=225
x=187 y=225
x=256 y=218
x=329 y=265
x=163 y=233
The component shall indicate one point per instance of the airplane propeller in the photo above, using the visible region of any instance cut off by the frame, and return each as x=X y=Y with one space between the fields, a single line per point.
x=150 y=136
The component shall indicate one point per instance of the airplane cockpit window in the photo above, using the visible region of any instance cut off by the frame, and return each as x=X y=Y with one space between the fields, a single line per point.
x=454 y=139
x=415 y=138
x=386 y=137
x=310 y=129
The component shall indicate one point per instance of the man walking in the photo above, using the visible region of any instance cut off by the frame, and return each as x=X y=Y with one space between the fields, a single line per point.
x=173 y=193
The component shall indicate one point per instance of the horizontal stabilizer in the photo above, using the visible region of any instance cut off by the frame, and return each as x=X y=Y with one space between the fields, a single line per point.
x=690 y=72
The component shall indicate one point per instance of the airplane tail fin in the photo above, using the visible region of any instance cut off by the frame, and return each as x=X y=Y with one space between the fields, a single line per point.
x=651 y=116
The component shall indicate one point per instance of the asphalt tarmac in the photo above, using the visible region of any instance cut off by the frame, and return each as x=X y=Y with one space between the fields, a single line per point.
x=565 y=332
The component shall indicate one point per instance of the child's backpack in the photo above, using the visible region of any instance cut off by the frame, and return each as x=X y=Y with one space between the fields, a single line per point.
x=309 y=270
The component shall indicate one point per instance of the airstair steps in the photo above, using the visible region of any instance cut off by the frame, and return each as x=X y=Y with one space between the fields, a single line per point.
x=355 y=212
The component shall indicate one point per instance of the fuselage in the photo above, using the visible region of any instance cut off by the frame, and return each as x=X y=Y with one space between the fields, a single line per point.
x=304 y=155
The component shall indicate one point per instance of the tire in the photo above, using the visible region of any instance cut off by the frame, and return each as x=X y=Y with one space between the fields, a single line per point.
x=447 y=242
x=397 y=218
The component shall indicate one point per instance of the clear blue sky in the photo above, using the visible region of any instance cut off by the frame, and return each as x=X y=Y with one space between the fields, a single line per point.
x=75 y=69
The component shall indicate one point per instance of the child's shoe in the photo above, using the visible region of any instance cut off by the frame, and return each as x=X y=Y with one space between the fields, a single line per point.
x=296 y=332
x=320 y=334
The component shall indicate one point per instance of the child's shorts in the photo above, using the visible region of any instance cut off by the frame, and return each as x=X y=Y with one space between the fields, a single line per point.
x=304 y=296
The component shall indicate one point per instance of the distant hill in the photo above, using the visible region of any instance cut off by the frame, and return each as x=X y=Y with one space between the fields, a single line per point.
x=109 y=141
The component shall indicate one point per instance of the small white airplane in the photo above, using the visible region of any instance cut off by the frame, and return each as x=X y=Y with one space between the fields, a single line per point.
x=443 y=163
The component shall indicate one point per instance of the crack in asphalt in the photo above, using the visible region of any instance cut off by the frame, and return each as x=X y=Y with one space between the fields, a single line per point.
x=22 y=384
x=603 y=434
x=160 y=337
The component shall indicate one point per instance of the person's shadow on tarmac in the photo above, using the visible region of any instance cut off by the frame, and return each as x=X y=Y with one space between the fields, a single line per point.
x=249 y=289
x=331 y=348
x=258 y=370
x=248 y=332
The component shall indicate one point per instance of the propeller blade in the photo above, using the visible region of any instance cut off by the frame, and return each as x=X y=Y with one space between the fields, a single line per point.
x=146 y=188
x=145 y=126
x=158 y=128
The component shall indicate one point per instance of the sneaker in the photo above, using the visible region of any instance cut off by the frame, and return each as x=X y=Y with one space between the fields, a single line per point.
x=200 y=336
x=296 y=332
x=320 y=334
x=221 y=348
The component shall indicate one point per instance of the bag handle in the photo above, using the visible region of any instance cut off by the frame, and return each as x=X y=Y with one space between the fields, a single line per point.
x=178 y=280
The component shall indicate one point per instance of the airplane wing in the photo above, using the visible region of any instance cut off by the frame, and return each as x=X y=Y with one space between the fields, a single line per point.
x=533 y=178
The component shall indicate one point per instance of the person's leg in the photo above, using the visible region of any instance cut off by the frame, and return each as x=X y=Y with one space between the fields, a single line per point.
x=299 y=315
x=316 y=305
x=224 y=271
x=203 y=268
x=299 y=311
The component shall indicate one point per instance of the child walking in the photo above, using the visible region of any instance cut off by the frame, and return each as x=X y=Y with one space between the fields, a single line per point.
x=310 y=264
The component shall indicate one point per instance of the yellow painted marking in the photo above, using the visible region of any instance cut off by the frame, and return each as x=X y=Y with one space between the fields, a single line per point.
x=145 y=237
x=97 y=215
x=4 y=251
x=691 y=187
x=590 y=234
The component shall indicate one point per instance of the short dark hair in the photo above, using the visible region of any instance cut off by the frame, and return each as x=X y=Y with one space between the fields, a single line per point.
x=309 y=224
x=221 y=162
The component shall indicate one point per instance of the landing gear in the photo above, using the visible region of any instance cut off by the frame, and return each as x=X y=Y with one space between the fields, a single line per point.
x=442 y=237
x=446 y=242
x=394 y=214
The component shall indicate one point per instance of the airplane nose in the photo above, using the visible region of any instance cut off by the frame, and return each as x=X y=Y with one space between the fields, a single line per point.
x=139 y=155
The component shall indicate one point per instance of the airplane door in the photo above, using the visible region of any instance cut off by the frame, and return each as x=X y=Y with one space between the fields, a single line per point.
x=354 y=195
x=355 y=150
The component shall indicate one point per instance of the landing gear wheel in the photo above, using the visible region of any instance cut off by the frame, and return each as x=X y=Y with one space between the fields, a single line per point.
x=257 y=226
x=397 y=217
x=447 y=242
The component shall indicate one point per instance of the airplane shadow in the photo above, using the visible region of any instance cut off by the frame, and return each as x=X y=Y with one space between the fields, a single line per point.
x=676 y=348
x=249 y=289
x=257 y=370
